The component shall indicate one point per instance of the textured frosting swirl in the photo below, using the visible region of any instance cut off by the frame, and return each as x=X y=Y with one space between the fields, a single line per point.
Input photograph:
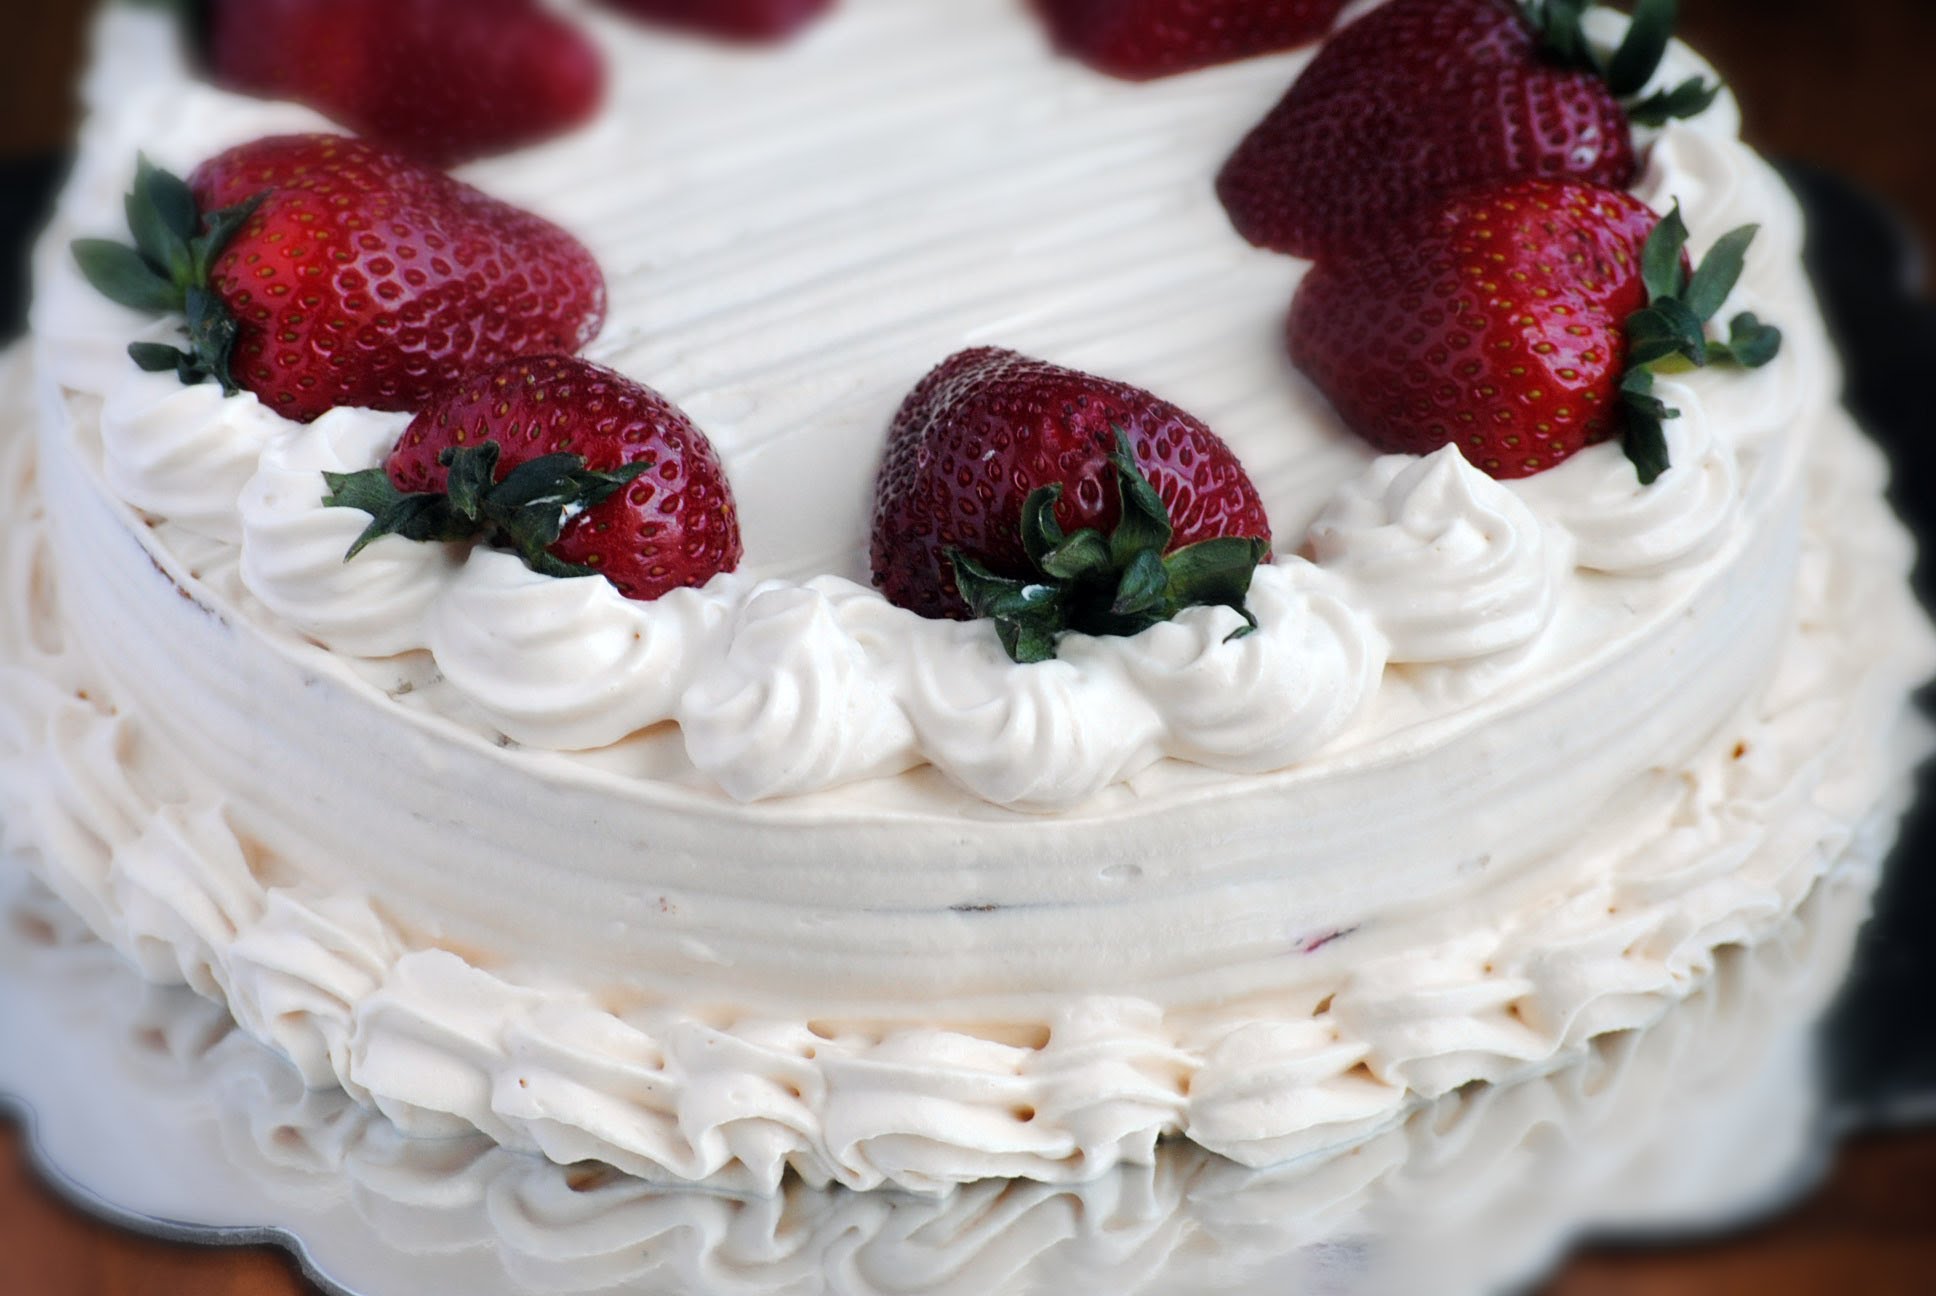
x=292 y=557
x=1451 y=563
x=781 y=689
x=1696 y=1081
x=1621 y=527
x=793 y=705
x=183 y=453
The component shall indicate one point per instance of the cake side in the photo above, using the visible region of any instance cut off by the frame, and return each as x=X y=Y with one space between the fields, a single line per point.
x=1496 y=1175
x=1598 y=939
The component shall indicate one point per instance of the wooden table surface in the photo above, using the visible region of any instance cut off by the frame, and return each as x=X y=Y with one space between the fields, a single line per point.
x=1847 y=85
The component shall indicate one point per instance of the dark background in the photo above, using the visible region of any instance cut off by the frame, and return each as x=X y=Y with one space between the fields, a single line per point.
x=1845 y=93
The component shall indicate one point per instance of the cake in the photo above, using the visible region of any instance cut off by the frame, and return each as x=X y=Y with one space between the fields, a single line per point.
x=766 y=873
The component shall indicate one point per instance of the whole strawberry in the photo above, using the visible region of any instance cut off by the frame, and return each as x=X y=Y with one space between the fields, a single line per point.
x=442 y=80
x=1519 y=321
x=321 y=270
x=1142 y=39
x=1051 y=500
x=577 y=469
x=1421 y=97
x=741 y=20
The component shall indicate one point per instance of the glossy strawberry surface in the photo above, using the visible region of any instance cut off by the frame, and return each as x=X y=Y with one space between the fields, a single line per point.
x=1495 y=323
x=744 y=20
x=1141 y=39
x=988 y=427
x=367 y=279
x=1412 y=101
x=441 y=80
x=672 y=526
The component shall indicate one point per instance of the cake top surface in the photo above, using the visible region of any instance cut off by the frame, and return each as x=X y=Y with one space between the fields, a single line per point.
x=792 y=237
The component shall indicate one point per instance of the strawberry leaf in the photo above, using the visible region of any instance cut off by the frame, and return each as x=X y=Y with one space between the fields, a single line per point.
x=1646 y=447
x=157 y=357
x=524 y=512
x=414 y=517
x=1145 y=521
x=1559 y=28
x=1083 y=556
x=1634 y=63
x=1217 y=573
x=1145 y=584
x=211 y=336
x=1674 y=327
x=161 y=215
x=165 y=272
x=469 y=474
x=1027 y=616
x=121 y=274
x=1667 y=328
x=1751 y=344
x=1121 y=584
x=1690 y=98
x=1719 y=271
x=1561 y=32
x=1646 y=440
x=220 y=227
x=1041 y=533
x=1661 y=267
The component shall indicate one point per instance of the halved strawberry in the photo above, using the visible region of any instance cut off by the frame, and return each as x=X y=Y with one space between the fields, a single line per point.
x=441 y=80
x=1519 y=321
x=321 y=270
x=745 y=20
x=1422 y=97
x=1051 y=500
x=577 y=469
x=1142 y=39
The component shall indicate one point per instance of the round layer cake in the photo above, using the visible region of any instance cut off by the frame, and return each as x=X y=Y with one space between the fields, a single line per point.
x=771 y=874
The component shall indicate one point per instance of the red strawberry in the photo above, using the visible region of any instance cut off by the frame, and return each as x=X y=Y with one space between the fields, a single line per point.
x=578 y=469
x=745 y=20
x=1141 y=39
x=1421 y=97
x=442 y=80
x=1516 y=321
x=1006 y=471
x=329 y=271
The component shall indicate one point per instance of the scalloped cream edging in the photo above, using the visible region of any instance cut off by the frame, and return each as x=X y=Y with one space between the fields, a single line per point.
x=442 y=1046
x=1521 y=1161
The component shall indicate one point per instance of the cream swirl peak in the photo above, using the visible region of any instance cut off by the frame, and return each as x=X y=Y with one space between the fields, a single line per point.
x=1452 y=563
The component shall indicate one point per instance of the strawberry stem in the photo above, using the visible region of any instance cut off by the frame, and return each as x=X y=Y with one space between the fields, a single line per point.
x=524 y=512
x=1673 y=327
x=166 y=272
x=1121 y=584
x=1559 y=26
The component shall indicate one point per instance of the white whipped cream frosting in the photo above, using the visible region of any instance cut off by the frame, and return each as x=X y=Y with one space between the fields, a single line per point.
x=1718 y=1088
x=785 y=684
x=1451 y=563
x=1293 y=1055
x=465 y=839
